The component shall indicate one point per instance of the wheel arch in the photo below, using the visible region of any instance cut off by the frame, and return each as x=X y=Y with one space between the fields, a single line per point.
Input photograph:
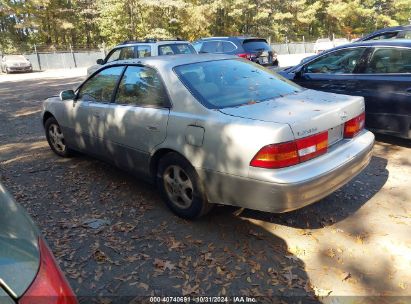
x=46 y=116
x=155 y=159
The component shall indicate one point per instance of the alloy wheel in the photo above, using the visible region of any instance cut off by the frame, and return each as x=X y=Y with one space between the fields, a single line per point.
x=178 y=186
x=57 y=138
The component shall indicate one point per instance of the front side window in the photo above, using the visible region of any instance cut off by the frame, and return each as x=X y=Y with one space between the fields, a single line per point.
x=100 y=87
x=339 y=62
x=389 y=61
x=404 y=35
x=141 y=86
x=230 y=83
x=114 y=56
x=383 y=36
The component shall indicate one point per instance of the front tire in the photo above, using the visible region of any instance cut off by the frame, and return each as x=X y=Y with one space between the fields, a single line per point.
x=55 y=137
x=181 y=188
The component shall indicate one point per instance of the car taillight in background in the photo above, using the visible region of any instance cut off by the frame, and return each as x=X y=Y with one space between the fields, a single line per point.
x=354 y=126
x=245 y=55
x=49 y=286
x=291 y=153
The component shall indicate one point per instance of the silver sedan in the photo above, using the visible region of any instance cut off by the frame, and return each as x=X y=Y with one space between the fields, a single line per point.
x=213 y=129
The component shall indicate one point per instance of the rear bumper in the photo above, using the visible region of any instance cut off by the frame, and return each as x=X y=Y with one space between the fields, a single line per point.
x=291 y=188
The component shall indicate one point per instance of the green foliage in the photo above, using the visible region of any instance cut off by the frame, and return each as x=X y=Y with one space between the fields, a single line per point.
x=92 y=23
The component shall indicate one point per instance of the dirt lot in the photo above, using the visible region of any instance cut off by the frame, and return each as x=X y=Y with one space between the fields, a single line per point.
x=355 y=242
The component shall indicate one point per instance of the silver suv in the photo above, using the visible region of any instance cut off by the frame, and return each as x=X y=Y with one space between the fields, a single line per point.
x=144 y=48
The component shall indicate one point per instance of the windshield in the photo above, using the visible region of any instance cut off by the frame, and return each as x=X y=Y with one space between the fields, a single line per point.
x=234 y=82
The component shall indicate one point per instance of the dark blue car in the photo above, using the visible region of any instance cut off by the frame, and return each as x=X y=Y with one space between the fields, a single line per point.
x=251 y=48
x=380 y=71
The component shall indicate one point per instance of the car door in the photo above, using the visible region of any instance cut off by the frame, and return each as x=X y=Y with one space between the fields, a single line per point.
x=333 y=72
x=137 y=120
x=88 y=111
x=385 y=83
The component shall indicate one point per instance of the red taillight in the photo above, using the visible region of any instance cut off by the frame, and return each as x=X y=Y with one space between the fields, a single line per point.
x=291 y=153
x=354 y=126
x=312 y=146
x=245 y=55
x=49 y=286
x=276 y=156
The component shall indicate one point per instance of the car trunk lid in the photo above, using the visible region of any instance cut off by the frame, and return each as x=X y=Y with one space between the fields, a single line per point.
x=307 y=112
x=19 y=253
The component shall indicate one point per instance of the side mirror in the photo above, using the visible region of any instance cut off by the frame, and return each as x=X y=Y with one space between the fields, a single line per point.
x=299 y=73
x=66 y=95
x=100 y=61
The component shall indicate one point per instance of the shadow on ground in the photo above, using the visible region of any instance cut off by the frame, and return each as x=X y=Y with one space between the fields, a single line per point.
x=145 y=250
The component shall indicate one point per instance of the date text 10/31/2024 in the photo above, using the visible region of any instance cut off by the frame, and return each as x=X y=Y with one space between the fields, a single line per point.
x=203 y=299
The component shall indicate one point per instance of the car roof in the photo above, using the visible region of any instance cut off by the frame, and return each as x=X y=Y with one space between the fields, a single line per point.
x=150 y=42
x=387 y=29
x=392 y=28
x=382 y=42
x=171 y=61
x=231 y=37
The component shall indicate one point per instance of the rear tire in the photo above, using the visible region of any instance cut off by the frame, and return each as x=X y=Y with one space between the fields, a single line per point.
x=181 y=188
x=55 y=138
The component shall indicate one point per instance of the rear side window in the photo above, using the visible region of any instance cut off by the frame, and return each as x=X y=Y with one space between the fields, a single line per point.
x=210 y=47
x=389 y=61
x=229 y=83
x=252 y=45
x=143 y=51
x=141 y=86
x=228 y=47
x=197 y=46
x=127 y=53
x=173 y=49
x=100 y=87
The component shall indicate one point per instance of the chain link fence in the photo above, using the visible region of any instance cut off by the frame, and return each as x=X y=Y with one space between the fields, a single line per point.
x=49 y=57
x=293 y=47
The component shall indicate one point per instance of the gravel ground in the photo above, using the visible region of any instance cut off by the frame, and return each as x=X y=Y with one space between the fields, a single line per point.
x=355 y=242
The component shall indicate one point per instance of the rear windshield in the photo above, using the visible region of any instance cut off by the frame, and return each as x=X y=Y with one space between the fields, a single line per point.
x=253 y=45
x=233 y=82
x=172 y=49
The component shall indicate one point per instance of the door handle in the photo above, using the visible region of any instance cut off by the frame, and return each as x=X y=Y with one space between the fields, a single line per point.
x=152 y=128
x=408 y=90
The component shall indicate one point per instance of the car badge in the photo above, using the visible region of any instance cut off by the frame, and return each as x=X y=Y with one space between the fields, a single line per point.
x=343 y=115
